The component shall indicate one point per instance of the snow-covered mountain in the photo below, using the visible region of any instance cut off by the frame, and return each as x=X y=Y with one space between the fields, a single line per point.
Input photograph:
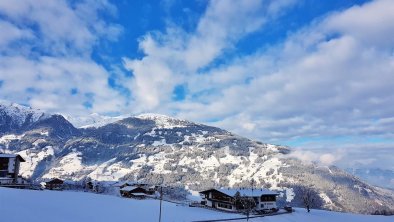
x=14 y=117
x=159 y=149
x=93 y=120
x=376 y=176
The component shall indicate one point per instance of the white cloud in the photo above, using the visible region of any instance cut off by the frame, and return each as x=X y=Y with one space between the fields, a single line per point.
x=11 y=33
x=318 y=82
x=173 y=57
x=49 y=66
x=60 y=28
x=323 y=158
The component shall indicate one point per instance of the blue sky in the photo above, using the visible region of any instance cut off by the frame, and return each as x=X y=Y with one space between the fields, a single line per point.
x=314 y=75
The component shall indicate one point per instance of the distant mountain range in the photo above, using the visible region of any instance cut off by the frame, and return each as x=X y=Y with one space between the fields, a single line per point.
x=163 y=150
x=375 y=176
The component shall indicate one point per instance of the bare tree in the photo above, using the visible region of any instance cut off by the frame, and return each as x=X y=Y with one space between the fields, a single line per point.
x=308 y=198
x=244 y=204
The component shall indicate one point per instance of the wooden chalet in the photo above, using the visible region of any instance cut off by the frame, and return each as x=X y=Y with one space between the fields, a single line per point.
x=135 y=192
x=9 y=168
x=225 y=199
x=54 y=184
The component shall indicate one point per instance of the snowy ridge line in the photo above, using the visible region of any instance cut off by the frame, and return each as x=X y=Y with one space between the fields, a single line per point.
x=20 y=113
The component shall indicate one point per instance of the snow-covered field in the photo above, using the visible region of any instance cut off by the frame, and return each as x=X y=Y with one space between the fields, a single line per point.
x=65 y=206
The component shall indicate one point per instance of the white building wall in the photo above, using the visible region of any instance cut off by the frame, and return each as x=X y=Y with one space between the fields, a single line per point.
x=209 y=203
x=266 y=205
x=11 y=165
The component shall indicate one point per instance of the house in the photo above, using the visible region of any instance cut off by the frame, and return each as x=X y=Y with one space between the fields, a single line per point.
x=136 y=192
x=9 y=168
x=225 y=199
x=54 y=184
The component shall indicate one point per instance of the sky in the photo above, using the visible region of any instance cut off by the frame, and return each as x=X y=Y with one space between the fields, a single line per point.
x=314 y=75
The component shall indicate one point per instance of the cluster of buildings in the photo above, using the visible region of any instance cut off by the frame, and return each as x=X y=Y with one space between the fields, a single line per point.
x=222 y=199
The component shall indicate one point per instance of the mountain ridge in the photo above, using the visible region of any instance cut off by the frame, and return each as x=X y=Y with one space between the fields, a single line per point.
x=160 y=149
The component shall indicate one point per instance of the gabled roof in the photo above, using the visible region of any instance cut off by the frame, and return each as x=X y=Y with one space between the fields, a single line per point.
x=121 y=183
x=129 y=188
x=244 y=192
x=6 y=155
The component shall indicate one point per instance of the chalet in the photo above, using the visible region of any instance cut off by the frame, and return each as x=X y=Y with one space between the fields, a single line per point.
x=54 y=184
x=9 y=168
x=148 y=187
x=225 y=199
x=134 y=192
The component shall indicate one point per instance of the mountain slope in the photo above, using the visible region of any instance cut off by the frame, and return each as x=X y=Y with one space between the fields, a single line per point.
x=376 y=176
x=15 y=118
x=160 y=149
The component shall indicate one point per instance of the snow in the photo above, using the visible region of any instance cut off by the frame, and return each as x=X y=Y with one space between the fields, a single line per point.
x=65 y=206
x=93 y=120
x=32 y=159
x=159 y=143
x=68 y=165
x=19 y=113
x=163 y=121
x=289 y=194
x=260 y=170
x=6 y=139
x=326 y=199
x=129 y=188
x=44 y=133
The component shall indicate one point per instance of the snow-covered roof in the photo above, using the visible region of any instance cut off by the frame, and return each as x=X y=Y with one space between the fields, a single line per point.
x=7 y=155
x=139 y=194
x=128 y=188
x=120 y=183
x=246 y=192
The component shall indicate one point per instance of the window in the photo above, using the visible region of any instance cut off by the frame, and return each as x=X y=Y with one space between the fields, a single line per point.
x=268 y=198
x=3 y=164
x=222 y=205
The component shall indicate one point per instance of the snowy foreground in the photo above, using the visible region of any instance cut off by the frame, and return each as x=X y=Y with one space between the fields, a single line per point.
x=66 y=206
